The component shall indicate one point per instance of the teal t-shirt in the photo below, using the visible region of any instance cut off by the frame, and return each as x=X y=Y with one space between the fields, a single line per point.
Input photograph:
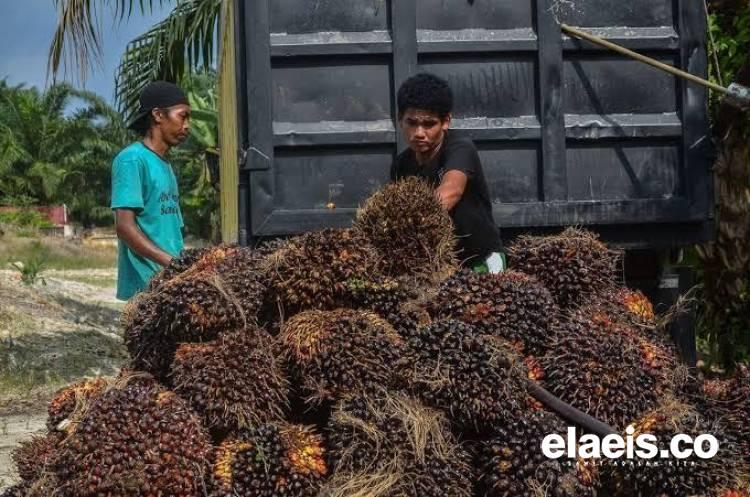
x=144 y=182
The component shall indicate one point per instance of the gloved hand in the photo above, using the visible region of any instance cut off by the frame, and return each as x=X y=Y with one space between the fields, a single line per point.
x=496 y=263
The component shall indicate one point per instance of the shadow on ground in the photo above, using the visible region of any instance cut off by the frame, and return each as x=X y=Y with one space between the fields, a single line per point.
x=90 y=313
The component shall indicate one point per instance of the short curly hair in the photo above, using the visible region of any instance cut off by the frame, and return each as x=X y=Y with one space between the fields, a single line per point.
x=425 y=91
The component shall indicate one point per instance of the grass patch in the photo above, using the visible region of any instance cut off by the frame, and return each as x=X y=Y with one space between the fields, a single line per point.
x=59 y=253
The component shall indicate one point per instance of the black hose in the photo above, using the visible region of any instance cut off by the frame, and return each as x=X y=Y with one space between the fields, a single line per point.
x=570 y=413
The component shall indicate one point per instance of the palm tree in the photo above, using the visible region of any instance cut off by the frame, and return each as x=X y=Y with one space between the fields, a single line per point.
x=54 y=156
x=181 y=44
x=40 y=137
x=726 y=261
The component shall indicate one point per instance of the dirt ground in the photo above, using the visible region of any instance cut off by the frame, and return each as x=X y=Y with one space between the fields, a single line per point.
x=51 y=335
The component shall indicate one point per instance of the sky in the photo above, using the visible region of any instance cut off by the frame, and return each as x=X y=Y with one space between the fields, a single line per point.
x=26 y=29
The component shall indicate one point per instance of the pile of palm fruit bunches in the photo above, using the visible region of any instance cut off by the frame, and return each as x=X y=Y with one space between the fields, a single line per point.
x=364 y=362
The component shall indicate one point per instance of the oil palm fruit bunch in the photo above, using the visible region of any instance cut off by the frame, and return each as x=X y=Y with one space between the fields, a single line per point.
x=70 y=402
x=241 y=279
x=611 y=310
x=279 y=460
x=337 y=352
x=17 y=490
x=32 y=455
x=393 y=300
x=222 y=291
x=728 y=402
x=405 y=222
x=601 y=372
x=135 y=439
x=389 y=445
x=232 y=382
x=628 y=306
x=474 y=378
x=658 y=353
x=684 y=477
x=177 y=265
x=311 y=271
x=512 y=464
x=509 y=305
x=734 y=492
x=151 y=349
x=574 y=265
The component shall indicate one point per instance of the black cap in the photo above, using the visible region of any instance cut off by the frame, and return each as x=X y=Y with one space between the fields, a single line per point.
x=157 y=95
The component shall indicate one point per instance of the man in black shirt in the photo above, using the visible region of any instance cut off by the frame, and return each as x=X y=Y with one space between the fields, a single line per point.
x=451 y=165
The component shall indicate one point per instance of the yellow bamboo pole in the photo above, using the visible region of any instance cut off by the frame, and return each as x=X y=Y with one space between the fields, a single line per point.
x=642 y=58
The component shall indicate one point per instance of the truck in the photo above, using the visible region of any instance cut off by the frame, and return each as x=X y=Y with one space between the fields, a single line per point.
x=568 y=133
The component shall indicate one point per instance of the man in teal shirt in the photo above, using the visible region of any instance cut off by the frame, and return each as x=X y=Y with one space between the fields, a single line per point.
x=145 y=198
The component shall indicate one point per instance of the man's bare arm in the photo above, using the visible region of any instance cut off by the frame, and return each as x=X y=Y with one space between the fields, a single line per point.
x=451 y=189
x=129 y=232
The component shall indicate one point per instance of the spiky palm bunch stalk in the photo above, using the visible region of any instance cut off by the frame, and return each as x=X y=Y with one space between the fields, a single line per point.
x=476 y=379
x=334 y=353
x=510 y=305
x=389 y=445
x=405 y=222
x=135 y=439
x=233 y=382
x=512 y=463
x=279 y=460
x=574 y=265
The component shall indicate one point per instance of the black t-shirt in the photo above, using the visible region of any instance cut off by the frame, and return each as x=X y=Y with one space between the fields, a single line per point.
x=477 y=233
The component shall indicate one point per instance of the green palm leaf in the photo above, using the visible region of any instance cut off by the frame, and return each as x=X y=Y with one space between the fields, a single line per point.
x=171 y=50
x=76 y=43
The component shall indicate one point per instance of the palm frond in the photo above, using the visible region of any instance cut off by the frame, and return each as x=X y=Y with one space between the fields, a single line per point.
x=76 y=43
x=10 y=149
x=181 y=44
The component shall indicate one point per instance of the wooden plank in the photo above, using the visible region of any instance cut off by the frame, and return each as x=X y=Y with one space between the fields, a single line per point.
x=228 y=138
